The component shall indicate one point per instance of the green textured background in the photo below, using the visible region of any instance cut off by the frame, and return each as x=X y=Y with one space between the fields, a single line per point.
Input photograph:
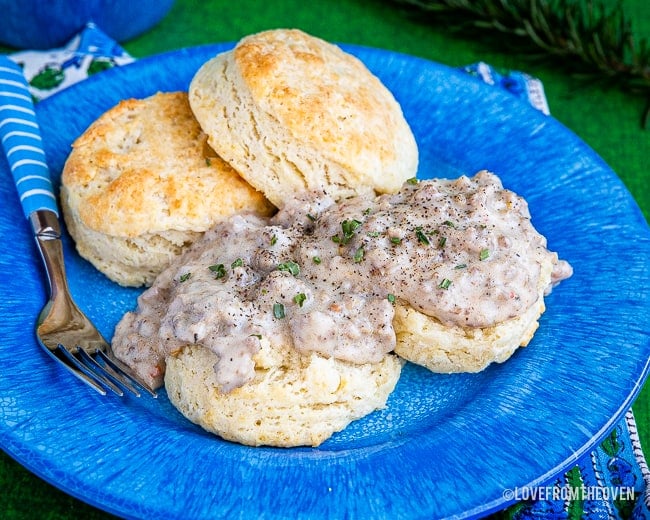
x=606 y=119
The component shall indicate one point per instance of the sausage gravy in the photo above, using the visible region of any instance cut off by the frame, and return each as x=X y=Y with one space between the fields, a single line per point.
x=324 y=276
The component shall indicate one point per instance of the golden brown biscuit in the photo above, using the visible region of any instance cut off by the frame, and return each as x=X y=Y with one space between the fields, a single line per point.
x=292 y=112
x=141 y=183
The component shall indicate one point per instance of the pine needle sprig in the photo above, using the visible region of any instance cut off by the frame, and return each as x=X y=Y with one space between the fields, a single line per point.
x=590 y=37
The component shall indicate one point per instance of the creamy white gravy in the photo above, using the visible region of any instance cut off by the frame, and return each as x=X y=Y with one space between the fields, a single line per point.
x=324 y=277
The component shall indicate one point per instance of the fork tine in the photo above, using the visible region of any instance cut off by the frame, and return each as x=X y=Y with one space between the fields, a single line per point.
x=88 y=370
x=108 y=371
x=124 y=374
x=66 y=360
x=105 y=373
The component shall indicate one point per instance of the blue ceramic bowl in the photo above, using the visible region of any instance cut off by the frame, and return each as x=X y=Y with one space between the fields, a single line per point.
x=34 y=24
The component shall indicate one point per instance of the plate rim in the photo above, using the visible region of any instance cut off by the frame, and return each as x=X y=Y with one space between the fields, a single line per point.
x=487 y=508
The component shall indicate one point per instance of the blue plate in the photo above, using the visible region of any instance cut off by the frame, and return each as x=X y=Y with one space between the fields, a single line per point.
x=446 y=445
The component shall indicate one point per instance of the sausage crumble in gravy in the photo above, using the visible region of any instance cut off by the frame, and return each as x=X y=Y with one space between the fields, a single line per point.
x=324 y=276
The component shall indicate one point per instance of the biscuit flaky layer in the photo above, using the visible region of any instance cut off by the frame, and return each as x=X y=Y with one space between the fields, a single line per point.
x=294 y=399
x=141 y=183
x=292 y=112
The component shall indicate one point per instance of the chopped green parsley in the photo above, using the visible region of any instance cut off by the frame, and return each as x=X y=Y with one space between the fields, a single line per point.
x=290 y=267
x=422 y=238
x=218 y=269
x=278 y=311
x=349 y=226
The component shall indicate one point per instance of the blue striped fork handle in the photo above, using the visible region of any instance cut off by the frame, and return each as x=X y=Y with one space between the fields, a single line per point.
x=21 y=140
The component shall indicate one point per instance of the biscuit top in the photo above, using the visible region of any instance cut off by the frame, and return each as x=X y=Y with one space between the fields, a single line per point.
x=330 y=100
x=144 y=167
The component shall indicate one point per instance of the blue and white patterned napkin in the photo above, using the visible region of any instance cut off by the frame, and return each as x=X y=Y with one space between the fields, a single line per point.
x=89 y=52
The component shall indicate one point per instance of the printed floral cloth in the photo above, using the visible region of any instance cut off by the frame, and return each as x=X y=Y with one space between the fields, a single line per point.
x=89 y=52
x=611 y=482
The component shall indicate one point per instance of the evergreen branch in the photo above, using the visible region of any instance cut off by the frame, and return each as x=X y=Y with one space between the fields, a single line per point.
x=601 y=38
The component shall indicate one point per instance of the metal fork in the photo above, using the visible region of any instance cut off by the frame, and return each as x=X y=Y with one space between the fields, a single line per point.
x=62 y=330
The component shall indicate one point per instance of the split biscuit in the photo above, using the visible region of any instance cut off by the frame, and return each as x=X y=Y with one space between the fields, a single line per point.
x=141 y=183
x=293 y=113
x=293 y=400
x=425 y=341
